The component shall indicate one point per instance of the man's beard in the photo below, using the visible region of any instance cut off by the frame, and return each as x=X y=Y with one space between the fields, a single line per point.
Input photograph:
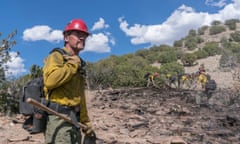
x=77 y=48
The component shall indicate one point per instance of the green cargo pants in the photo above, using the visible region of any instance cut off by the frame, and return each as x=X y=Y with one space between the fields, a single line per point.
x=59 y=131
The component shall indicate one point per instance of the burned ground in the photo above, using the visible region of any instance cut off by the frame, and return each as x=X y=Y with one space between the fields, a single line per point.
x=151 y=116
x=148 y=115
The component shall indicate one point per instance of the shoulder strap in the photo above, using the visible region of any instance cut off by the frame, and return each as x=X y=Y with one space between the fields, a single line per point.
x=60 y=50
x=63 y=52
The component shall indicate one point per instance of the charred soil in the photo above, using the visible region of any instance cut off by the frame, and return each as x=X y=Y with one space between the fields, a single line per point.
x=150 y=116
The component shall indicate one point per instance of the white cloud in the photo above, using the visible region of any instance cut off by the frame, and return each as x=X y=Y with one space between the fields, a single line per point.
x=99 y=43
x=15 y=66
x=99 y=24
x=216 y=3
x=177 y=25
x=42 y=32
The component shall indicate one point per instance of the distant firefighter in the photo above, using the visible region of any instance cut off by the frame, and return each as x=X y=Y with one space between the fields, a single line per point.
x=150 y=78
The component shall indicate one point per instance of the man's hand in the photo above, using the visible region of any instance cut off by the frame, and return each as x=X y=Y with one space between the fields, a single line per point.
x=88 y=130
x=72 y=59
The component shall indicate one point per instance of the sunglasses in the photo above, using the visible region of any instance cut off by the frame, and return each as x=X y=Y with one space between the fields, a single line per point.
x=79 y=34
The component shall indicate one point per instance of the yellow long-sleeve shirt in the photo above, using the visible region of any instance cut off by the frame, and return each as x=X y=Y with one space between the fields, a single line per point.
x=65 y=83
x=202 y=79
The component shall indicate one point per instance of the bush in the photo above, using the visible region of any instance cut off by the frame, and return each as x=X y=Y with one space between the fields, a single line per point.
x=216 y=22
x=216 y=29
x=167 y=56
x=188 y=59
x=173 y=68
x=8 y=102
x=192 y=33
x=235 y=36
x=211 y=48
x=227 y=59
x=178 y=43
x=231 y=23
x=191 y=43
x=201 y=54
x=202 y=30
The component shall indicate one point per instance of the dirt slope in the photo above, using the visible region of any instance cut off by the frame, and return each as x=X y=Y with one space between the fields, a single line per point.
x=150 y=116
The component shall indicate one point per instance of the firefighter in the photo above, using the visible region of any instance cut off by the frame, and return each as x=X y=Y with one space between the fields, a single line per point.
x=201 y=68
x=64 y=86
x=200 y=87
x=202 y=78
x=171 y=79
x=150 y=79
x=210 y=86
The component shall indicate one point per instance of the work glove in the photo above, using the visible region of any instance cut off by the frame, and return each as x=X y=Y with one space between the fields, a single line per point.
x=88 y=130
x=72 y=59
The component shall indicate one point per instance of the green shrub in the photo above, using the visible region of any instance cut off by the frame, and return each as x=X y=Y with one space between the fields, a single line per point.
x=188 y=59
x=201 y=31
x=235 y=36
x=232 y=23
x=191 y=43
x=178 y=43
x=216 y=29
x=173 y=68
x=211 y=48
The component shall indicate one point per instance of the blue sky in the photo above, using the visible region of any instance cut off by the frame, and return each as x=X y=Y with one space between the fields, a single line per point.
x=117 y=26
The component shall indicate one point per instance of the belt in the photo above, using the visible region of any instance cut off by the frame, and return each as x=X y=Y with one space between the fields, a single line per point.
x=63 y=109
x=71 y=111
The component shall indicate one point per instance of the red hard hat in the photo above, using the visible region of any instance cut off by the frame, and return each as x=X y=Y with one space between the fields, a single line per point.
x=78 y=25
x=155 y=74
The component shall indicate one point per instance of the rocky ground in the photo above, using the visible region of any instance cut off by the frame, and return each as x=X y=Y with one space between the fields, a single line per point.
x=150 y=116
x=154 y=116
